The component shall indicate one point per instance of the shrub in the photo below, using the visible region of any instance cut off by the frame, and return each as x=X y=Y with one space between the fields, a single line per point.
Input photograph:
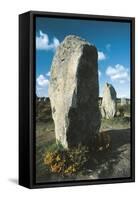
x=66 y=162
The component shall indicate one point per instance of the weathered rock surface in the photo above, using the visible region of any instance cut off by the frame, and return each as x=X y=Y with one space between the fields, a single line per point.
x=73 y=92
x=114 y=168
x=108 y=107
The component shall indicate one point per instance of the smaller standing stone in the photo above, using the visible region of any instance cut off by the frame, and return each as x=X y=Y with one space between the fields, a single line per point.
x=109 y=106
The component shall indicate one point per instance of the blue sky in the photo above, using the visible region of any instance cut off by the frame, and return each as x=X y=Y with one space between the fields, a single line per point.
x=112 y=40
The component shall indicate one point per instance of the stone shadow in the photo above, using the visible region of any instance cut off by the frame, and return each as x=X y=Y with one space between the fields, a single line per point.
x=114 y=162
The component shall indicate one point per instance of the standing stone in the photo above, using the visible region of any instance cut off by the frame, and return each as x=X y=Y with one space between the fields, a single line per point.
x=109 y=106
x=123 y=101
x=73 y=92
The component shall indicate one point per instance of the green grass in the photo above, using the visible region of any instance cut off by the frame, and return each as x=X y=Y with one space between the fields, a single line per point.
x=115 y=123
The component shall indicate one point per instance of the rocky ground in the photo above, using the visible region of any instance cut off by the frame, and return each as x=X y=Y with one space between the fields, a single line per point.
x=112 y=163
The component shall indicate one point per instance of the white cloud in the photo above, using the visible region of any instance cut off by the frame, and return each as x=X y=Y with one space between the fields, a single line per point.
x=42 y=81
x=48 y=73
x=42 y=42
x=101 y=55
x=118 y=72
x=42 y=84
x=99 y=73
x=55 y=42
x=42 y=92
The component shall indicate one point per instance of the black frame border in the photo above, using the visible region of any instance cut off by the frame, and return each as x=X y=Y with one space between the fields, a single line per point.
x=32 y=97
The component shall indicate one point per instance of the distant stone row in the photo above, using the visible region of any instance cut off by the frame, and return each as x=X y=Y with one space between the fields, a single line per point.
x=122 y=101
x=42 y=99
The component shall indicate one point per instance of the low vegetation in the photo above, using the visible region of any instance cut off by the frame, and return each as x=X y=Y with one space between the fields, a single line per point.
x=66 y=162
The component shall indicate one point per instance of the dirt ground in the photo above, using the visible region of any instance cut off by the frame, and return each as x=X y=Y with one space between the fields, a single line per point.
x=114 y=163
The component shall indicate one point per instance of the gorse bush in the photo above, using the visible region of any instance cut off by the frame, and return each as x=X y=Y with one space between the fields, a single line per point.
x=66 y=162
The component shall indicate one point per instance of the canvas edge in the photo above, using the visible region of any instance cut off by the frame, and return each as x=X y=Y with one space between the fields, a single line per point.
x=32 y=183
